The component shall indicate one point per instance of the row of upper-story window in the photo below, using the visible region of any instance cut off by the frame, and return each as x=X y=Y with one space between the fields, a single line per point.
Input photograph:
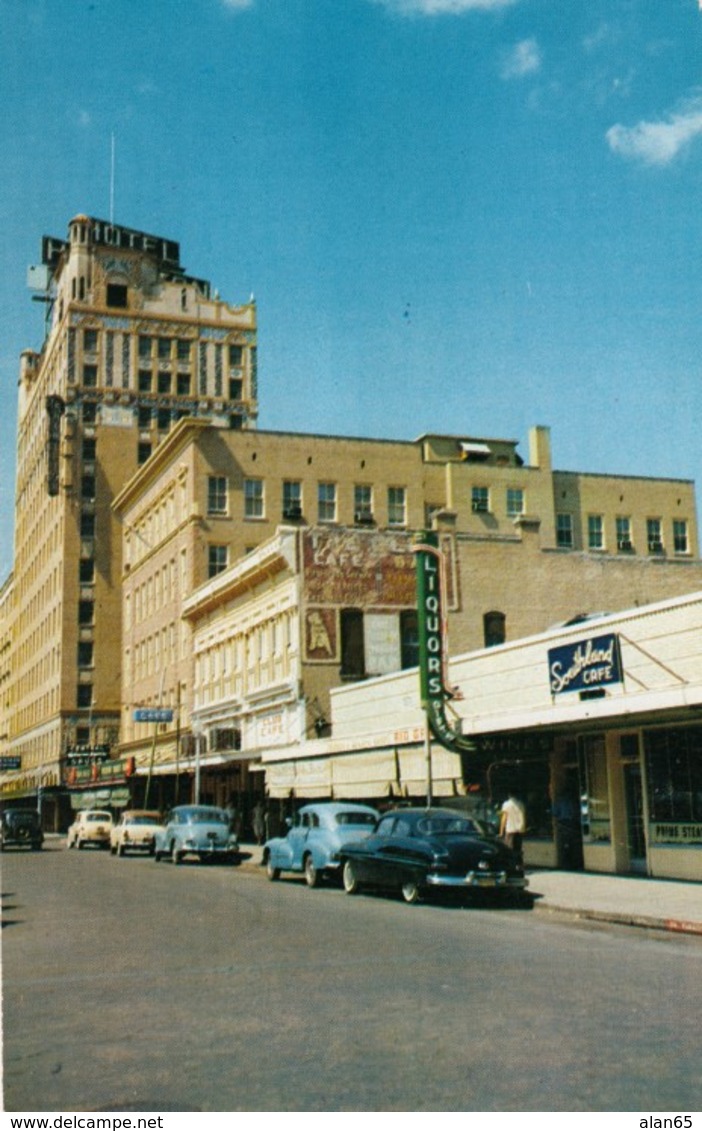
x=151 y=347
x=659 y=535
x=327 y=500
x=161 y=588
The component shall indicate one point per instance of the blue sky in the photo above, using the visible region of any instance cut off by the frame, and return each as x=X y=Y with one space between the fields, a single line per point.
x=456 y=215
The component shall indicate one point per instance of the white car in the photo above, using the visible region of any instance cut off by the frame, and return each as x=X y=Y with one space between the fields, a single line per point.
x=91 y=826
x=135 y=831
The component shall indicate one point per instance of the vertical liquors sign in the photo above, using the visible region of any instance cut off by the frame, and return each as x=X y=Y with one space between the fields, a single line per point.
x=433 y=650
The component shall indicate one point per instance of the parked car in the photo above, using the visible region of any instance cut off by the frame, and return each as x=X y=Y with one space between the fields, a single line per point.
x=135 y=831
x=416 y=851
x=196 y=830
x=21 y=827
x=314 y=838
x=91 y=826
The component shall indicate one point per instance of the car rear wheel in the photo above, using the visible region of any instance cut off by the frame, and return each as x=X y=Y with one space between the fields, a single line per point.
x=79 y=844
x=272 y=872
x=156 y=856
x=120 y=850
x=311 y=873
x=351 y=886
x=410 y=891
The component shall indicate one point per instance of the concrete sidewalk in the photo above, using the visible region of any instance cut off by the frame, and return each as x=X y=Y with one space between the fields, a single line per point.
x=633 y=901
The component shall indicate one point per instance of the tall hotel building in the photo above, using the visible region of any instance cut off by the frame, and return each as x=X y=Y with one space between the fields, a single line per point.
x=133 y=343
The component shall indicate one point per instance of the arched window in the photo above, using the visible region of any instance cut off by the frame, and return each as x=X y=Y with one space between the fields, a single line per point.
x=494 y=628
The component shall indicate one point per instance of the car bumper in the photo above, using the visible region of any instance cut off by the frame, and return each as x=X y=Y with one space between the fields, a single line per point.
x=490 y=881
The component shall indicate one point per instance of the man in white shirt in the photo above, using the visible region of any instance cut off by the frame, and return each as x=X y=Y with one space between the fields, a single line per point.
x=513 y=824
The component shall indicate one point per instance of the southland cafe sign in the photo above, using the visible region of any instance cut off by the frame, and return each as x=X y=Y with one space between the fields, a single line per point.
x=433 y=652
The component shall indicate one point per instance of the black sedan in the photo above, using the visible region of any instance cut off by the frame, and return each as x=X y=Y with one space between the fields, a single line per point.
x=416 y=851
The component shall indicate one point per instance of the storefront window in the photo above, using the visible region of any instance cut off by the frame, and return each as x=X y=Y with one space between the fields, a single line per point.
x=674 y=766
x=594 y=796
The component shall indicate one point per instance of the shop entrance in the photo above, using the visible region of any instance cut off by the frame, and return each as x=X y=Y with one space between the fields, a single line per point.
x=635 y=825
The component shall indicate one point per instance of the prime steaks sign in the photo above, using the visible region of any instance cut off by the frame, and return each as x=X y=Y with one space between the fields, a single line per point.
x=585 y=665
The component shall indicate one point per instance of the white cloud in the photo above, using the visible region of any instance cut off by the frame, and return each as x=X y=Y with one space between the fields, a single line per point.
x=659 y=143
x=84 y=118
x=237 y=5
x=442 y=7
x=523 y=59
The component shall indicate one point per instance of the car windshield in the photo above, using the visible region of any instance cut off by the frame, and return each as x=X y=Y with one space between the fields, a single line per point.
x=352 y=818
x=142 y=819
x=98 y=817
x=446 y=826
x=206 y=817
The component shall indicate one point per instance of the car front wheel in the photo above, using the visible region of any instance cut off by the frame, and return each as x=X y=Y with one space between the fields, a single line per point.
x=176 y=856
x=351 y=886
x=410 y=891
x=272 y=872
x=311 y=873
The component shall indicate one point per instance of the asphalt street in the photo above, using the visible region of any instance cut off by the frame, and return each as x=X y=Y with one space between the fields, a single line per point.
x=135 y=986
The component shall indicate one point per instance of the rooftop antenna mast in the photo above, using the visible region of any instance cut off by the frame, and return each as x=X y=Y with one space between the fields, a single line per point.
x=112 y=178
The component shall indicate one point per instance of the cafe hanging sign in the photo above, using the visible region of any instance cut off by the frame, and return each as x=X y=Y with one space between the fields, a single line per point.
x=585 y=665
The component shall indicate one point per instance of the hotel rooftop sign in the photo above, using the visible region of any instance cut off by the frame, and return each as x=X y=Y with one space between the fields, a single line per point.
x=101 y=233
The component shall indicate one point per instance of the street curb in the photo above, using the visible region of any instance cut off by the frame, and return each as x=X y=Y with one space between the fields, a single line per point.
x=649 y=922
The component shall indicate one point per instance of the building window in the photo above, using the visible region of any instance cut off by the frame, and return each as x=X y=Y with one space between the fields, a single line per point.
x=87 y=524
x=90 y=376
x=163 y=349
x=362 y=503
x=85 y=653
x=515 y=501
x=84 y=697
x=680 y=538
x=86 y=612
x=409 y=639
x=87 y=487
x=292 y=499
x=164 y=382
x=86 y=571
x=236 y=356
x=594 y=789
x=674 y=765
x=143 y=451
x=494 y=628
x=397 y=506
x=564 y=530
x=217 y=495
x=117 y=295
x=144 y=416
x=89 y=448
x=253 y=498
x=654 y=535
x=144 y=380
x=236 y=388
x=217 y=559
x=480 y=500
x=145 y=346
x=163 y=419
x=183 y=349
x=595 y=532
x=623 y=524
x=353 y=662
x=183 y=384
x=326 y=502
x=90 y=341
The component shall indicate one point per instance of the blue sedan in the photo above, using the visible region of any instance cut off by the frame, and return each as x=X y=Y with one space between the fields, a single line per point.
x=315 y=836
x=196 y=830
